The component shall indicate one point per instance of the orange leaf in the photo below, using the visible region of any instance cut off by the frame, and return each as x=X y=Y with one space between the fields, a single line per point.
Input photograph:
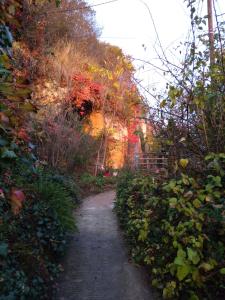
x=3 y=118
x=17 y=198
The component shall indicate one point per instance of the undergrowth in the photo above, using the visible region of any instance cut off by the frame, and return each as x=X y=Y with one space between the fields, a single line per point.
x=177 y=230
x=90 y=184
x=35 y=236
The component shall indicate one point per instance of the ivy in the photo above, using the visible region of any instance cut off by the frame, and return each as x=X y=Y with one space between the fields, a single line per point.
x=176 y=229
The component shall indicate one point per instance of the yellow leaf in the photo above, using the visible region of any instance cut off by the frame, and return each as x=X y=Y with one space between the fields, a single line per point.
x=116 y=85
x=183 y=162
x=109 y=75
x=163 y=103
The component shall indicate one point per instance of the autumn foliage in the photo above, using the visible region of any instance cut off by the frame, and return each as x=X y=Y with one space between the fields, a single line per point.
x=86 y=91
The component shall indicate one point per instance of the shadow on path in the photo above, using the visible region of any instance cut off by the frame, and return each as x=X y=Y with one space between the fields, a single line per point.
x=97 y=266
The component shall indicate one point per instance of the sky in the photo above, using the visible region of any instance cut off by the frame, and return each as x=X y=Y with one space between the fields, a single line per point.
x=133 y=25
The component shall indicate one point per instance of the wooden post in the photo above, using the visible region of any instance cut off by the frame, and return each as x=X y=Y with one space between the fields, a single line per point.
x=211 y=32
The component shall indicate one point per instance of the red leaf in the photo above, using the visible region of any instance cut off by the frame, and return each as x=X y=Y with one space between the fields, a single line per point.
x=17 y=198
x=22 y=134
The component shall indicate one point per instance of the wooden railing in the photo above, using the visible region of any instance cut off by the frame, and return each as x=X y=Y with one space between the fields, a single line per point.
x=153 y=163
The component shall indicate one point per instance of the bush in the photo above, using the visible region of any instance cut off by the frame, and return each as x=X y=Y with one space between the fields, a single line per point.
x=177 y=229
x=96 y=184
x=52 y=190
x=34 y=238
x=36 y=234
x=68 y=182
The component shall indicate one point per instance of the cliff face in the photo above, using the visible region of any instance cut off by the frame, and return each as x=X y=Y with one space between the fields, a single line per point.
x=114 y=134
x=117 y=145
x=120 y=140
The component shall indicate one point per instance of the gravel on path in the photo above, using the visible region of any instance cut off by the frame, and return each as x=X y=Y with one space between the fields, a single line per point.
x=97 y=266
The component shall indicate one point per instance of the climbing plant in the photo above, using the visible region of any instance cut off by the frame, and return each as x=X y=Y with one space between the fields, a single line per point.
x=177 y=230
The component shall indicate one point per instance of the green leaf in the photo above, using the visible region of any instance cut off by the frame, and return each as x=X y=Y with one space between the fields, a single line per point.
x=14 y=146
x=183 y=271
x=143 y=234
x=196 y=276
x=169 y=142
x=14 y=93
x=8 y=154
x=217 y=180
x=155 y=282
x=168 y=291
x=206 y=267
x=181 y=253
x=174 y=93
x=172 y=202
x=193 y=256
x=3 y=249
x=29 y=107
x=194 y=297
x=222 y=271
x=198 y=226
x=209 y=157
x=175 y=244
x=180 y=260
x=197 y=203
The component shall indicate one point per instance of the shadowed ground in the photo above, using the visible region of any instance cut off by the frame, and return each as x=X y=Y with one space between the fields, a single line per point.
x=97 y=266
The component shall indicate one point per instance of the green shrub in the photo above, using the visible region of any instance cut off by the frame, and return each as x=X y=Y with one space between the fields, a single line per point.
x=70 y=185
x=177 y=229
x=96 y=184
x=32 y=241
x=57 y=196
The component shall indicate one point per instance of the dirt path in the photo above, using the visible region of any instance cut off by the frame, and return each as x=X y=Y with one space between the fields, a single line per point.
x=97 y=266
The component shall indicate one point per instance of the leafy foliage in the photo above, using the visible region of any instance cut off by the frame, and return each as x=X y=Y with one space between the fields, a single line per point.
x=53 y=191
x=36 y=234
x=177 y=230
x=90 y=184
x=35 y=205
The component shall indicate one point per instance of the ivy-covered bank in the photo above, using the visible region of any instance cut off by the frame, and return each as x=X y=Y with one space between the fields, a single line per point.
x=177 y=230
x=36 y=203
x=35 y=219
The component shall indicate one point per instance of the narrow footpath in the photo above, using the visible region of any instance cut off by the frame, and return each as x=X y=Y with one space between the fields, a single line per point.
x=97 y=266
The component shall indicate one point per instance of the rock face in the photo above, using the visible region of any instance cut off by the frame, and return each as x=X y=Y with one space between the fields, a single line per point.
x=118 y=146
x=48 y=93
x=115 y=137
x=117 y=143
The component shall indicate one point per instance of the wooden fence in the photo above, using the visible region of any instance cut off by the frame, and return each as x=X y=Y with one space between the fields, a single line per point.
x=153 y=163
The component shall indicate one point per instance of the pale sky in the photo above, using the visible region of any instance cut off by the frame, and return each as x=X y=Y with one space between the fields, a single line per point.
x=128 y=24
